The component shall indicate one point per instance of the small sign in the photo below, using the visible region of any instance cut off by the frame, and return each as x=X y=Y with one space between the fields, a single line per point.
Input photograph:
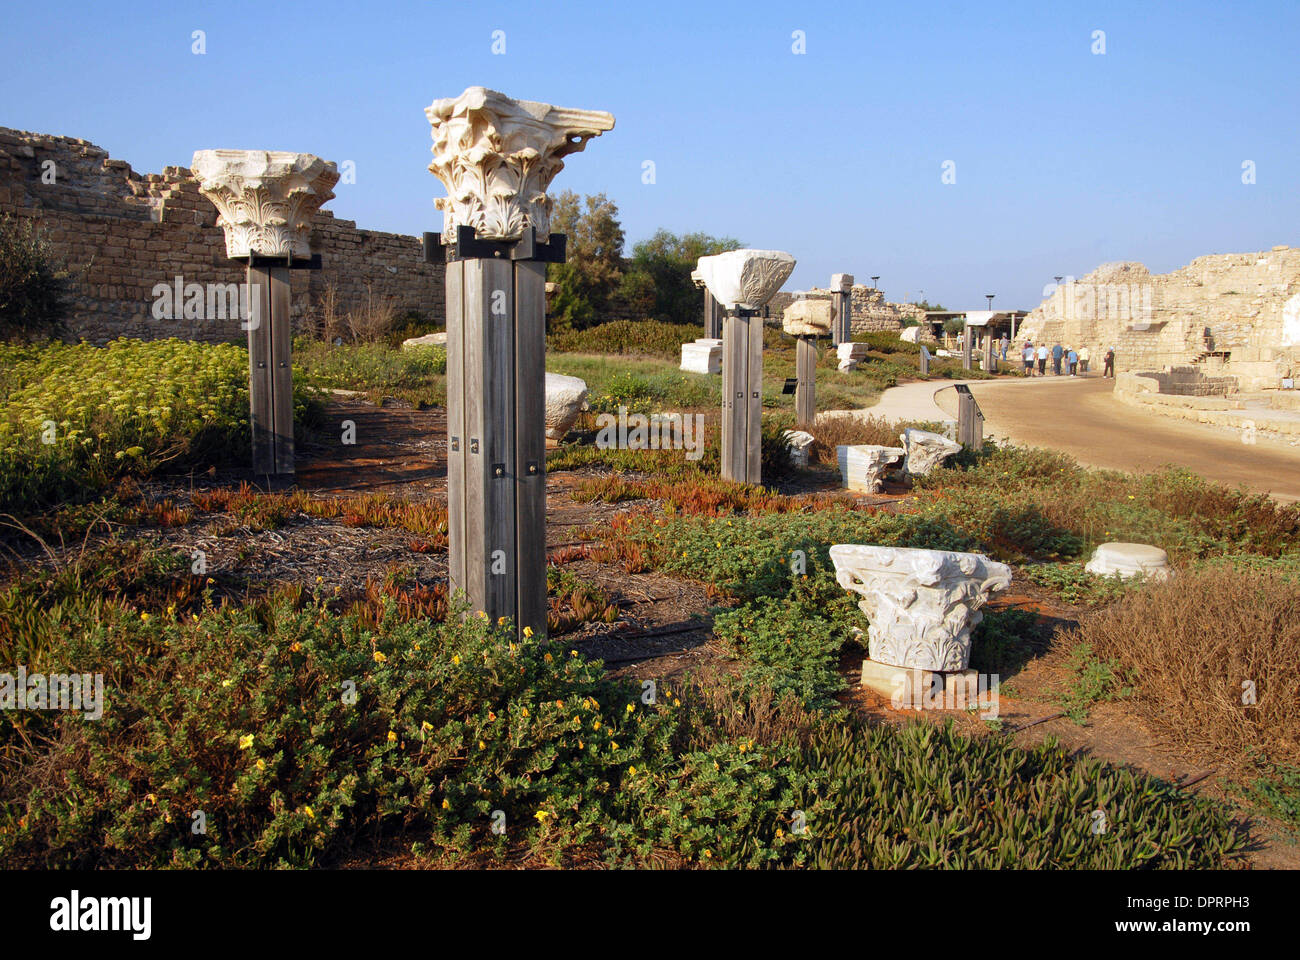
x=791 y=384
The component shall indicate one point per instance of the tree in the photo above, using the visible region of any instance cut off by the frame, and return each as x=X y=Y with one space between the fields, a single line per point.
x=33 y=286
x=588 y=281
x=664 y=264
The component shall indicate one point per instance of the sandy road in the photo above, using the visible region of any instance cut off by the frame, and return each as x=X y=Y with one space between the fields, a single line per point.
x=1081 y=418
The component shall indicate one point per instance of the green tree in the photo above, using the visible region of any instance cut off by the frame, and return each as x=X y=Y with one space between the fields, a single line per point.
x=588 y=282
x=666 y=261
x=32 y=284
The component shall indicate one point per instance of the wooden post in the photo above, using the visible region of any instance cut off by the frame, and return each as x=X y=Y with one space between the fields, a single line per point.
x=990 y=362
x=496 y=431
x=966 y=346
x=270 y=368
x=805 y=364
x=925 y=361
x=712 y=317
x=742 y=396
x=970 y=422
x=842 y=326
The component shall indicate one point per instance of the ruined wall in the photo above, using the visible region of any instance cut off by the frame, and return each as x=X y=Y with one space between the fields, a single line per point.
x=120 y=234
x=1232 y=314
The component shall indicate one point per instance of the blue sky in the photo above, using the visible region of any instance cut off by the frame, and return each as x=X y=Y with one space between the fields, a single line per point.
x=1064 y=159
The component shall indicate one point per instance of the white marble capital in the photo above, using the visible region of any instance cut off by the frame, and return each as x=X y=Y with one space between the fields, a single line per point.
x=745 y=278
x=497 y=156
x=808 y=318
x=265 y=199
x=921 y=604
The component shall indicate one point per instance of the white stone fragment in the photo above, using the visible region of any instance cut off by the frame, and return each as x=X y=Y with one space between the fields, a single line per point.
x=910 y=334
x=496 y=156
x=808 y=318
x=925 y=450
x=842 y=282
x=702 y=357
x=745 y=278
x=565 y=398
x=801 y=442
x=1130 y=560
x=428 y=340
x=862 y=466
x=265 y=199
x=921 y=604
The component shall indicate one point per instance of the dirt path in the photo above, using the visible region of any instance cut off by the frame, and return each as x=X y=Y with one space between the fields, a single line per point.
x=1081 y=418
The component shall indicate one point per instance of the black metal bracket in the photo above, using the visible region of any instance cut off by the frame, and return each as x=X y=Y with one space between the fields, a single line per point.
x=467 y=246
x=291 y=263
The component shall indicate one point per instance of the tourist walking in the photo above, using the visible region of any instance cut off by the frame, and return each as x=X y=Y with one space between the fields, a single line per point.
x=1027 y=355
x=1042 y=359
x=1072 y=358
x=1005 y=344
x=1109 y=370
x=1083 y=361
x=1057 y=353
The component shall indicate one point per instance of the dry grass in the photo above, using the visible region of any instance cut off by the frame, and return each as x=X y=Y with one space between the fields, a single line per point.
x=1193 y=646
x=831 y=432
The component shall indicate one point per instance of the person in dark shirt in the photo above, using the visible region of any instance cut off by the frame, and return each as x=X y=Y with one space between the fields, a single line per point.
x=1057 y=352
x=1109 y=370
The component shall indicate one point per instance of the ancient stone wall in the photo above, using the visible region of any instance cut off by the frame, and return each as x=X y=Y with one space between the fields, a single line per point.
x=1232 y=314
x=120 y=234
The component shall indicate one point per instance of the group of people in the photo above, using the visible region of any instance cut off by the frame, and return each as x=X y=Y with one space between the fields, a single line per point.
x=1065 y=360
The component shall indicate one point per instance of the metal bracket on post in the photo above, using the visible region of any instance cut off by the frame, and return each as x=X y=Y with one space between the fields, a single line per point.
x=467 y=246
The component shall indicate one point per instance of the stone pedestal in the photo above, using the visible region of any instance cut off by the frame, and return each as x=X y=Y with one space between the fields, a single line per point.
x=801 y=442
x=921 y=604
x=913 y=689
x=925 y=451
x=862 y=466
x=1130 y=560
x=702 y=356
x=851 y=354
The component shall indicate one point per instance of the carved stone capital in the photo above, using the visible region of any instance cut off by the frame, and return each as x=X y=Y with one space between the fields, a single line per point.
x=808 y=318
x=745 y=278
x=265 y=198
x=922 y=604
x=496 y=156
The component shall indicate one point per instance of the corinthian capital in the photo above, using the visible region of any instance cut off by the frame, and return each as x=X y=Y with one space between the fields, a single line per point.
x=496 y=157
x=265 y=198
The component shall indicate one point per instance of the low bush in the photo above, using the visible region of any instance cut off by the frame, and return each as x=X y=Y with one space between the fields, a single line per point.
x=647 y=338
x=1215 y=655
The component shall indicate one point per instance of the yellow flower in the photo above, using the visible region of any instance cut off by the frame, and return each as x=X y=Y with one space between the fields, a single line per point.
x=320 y=579
x=425 y=725
x=501 y=621
x=528 y=631
x=309 y=811
x=580 y=745
x=226 y=682
x=632 y=770
x=708 y=854
x=547 y=658
x=261 y=764
x=540 y=816
x=392 y=737
x=446 y=805
x=482 y=745
x=144 y=617
x=491 y=715
x=525 y=711
x=295 y=647
x=596 y=725
x=455 y=659
x=779 y=833
x=379 y=657
x=630 y=708
x=614 y=744
x=245 y=741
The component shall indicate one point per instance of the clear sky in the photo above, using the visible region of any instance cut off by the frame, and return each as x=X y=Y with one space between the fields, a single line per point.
x=1063 y=158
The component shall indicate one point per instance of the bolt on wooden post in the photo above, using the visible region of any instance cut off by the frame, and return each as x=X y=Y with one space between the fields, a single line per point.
x=266 y=200
x=842 y=288
x=743 y=281
x=496 y=156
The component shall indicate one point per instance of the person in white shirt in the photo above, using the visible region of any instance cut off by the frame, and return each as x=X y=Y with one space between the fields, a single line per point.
x=1028 y=356
x=1042 y=359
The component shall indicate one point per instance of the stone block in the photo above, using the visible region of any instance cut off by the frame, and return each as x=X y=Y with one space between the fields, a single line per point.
x=862 y=466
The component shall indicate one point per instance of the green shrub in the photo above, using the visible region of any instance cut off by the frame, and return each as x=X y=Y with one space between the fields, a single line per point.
x=33 y=286
x=649 y=338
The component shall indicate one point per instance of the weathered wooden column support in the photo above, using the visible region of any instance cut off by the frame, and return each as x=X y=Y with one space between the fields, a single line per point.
x=970 y=421
x=842 y=288
x=266 y=200
x=966 y=346
x=496 y=156
x=742 y=282
x=806 y=320
x=496 y=429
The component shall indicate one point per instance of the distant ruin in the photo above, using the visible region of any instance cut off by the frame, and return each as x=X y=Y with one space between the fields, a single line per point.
x=1224 y=315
